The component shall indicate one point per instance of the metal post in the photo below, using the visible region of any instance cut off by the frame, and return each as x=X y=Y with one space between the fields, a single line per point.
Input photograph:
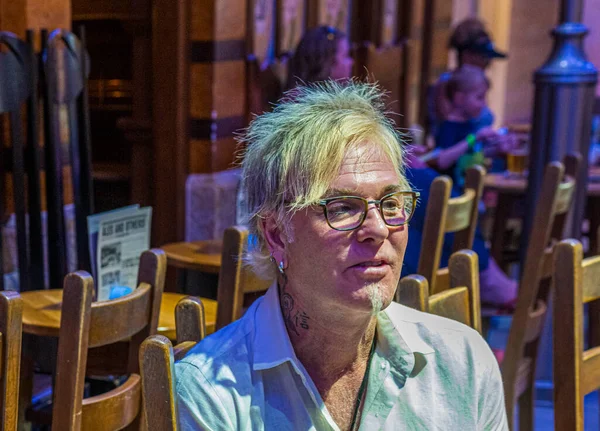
x=562 y=118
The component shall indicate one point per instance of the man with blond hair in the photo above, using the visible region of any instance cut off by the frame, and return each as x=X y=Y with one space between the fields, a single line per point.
x=326 y=348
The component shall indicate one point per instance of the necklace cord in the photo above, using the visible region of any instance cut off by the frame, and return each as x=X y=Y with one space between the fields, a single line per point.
x=363 y=385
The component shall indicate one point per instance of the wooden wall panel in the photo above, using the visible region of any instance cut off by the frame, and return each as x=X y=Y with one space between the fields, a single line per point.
x=290 y=25
x=389 y=33
x=413 y=57
x=334 y=13
x=260 y=27
x=442 y=30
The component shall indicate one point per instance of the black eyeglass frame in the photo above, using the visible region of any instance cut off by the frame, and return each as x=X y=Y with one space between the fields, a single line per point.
x=415 y=195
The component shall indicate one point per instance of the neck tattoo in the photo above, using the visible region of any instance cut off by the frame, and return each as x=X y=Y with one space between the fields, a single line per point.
x=294 y=318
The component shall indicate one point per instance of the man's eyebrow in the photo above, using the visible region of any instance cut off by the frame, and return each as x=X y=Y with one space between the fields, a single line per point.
x=391 y=188
x=339 y=192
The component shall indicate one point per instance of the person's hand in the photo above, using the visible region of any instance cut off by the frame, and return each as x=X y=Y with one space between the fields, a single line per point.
x=508 y=143
x=486 y=134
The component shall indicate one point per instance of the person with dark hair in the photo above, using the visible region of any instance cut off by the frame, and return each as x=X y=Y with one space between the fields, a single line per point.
x=323 y=53
x=473 y=47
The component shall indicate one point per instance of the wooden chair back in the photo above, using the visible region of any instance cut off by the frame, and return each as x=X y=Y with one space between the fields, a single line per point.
x=519 y=363
x=237 y=281
x=459 y=302
x=444 y=215
x=67 y=126
x=86 y=324
x=157 y=357
x=18 y=86
x=190 y=320
x=11 y=311
x=576 y=283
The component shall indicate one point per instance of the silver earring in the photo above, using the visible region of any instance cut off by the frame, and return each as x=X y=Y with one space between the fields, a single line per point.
x=279 y=266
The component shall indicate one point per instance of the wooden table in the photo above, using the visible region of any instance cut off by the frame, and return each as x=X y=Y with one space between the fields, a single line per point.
x=512 y=188
x=42 y=308
x=203 y=256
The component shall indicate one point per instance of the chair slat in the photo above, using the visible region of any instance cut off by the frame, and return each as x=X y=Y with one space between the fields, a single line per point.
x=158 y=382
x=547 y=263
x=235 y=278
x=180 y=350
x=113 y=410
x=11 y=311
x=133 y=313
x=413 y=291
x=459 y=211
x=34 y=187
x=590 y=373
x=591 y=279
x=53 y=157
x=189 y=320
x=535 y=324
x=453 y=304
x=442 y=280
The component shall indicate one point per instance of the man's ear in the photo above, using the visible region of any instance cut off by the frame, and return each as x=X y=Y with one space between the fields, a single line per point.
x=275 y=238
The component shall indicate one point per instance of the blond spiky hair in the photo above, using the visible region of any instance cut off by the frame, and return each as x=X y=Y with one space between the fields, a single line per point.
x=294 y=153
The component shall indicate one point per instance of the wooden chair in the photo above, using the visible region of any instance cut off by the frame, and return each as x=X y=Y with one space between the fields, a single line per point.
x=88 y=325
x=18 y=82
x=460 y=302
x=238 y=285
x=519 y=363
x=66 y=118
x=157 y=357
x=576 y=283
x=62 y=76
x=445 y=215
x=11 y=309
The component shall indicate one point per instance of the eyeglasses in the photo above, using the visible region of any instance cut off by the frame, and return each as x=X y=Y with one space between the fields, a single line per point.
x=349 y=212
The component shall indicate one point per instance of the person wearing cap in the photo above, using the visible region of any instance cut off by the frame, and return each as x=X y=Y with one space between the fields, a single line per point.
x=474 y=47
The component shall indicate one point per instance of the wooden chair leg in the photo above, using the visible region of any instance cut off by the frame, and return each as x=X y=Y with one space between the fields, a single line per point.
x=26 y=385
x=503 y=210
x=526 y=409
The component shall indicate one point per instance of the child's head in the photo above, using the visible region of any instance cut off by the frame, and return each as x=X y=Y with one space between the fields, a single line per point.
x=473 y=44
x=466 y=90
x=323 y=53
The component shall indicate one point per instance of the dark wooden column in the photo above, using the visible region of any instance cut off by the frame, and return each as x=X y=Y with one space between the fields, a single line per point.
x=199 y=98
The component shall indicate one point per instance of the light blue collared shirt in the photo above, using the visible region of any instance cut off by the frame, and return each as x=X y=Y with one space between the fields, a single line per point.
x=427 y=373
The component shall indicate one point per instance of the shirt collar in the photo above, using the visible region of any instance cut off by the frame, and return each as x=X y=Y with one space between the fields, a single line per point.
x=404 y=321
x=272 y=346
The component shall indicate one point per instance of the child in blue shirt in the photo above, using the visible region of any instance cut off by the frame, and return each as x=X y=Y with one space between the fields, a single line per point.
x=460 y=142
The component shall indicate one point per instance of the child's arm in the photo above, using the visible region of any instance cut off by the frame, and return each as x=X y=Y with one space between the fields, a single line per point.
x=449 y=156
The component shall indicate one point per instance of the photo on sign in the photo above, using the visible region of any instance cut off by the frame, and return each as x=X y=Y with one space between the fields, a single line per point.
x=110 y=255
x=111 y=278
